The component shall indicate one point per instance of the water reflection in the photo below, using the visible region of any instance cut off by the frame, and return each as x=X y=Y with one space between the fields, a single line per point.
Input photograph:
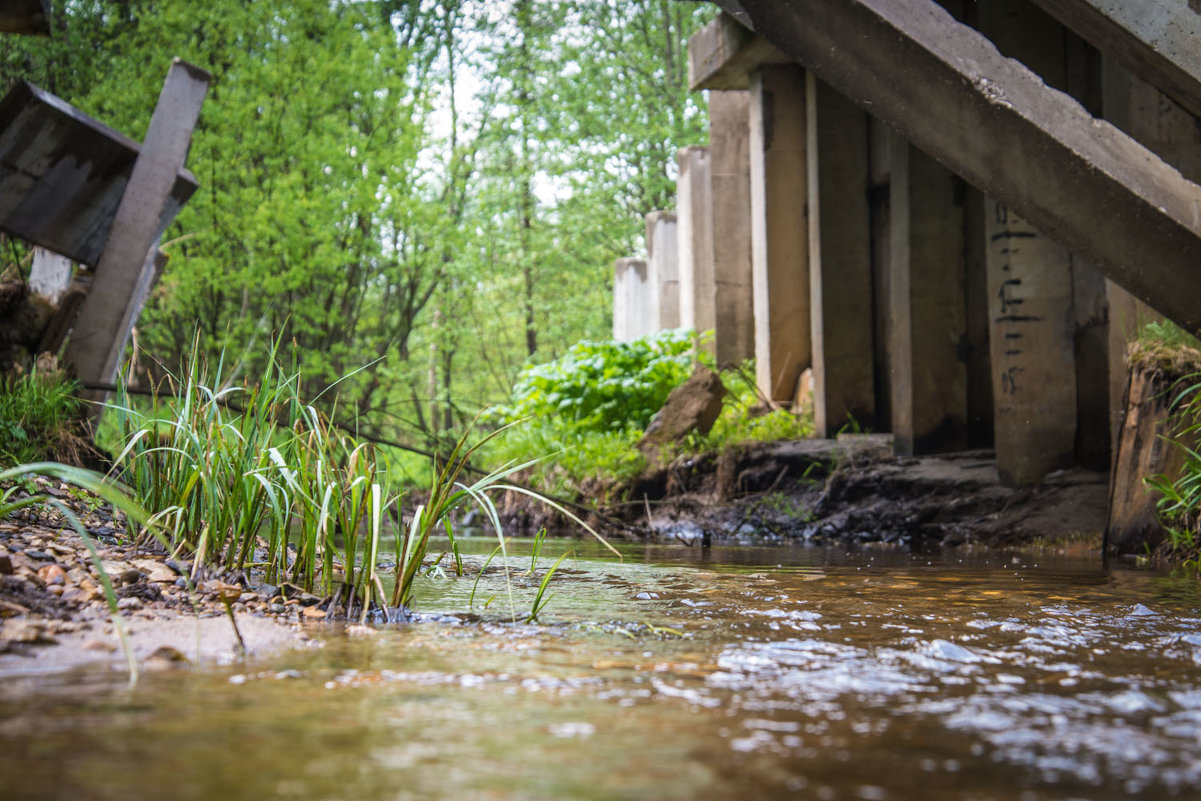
x=750 y=673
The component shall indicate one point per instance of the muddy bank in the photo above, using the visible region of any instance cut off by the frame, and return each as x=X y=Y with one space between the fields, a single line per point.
x=849 y=491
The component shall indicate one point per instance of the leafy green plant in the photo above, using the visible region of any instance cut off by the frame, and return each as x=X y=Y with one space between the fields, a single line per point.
x=604 y=386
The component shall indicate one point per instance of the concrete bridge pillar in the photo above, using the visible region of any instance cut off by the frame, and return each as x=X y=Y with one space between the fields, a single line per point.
x=694 y=214
x=779 y=228
x=926 y=301
x=663 y=269
x=1032 y=346
x=730 y=167
x=840 y=269
x=633 y=314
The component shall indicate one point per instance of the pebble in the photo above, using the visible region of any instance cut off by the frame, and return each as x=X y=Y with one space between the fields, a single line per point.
x=52 y=575
x=129 y=603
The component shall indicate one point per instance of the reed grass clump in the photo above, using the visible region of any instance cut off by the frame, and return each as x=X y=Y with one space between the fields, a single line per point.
x=250 y=475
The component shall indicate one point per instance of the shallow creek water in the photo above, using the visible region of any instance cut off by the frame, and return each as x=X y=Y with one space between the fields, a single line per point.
x=679 y=673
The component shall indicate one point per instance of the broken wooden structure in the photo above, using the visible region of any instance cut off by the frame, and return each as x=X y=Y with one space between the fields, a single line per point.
x=75 y=187
x=956 y=213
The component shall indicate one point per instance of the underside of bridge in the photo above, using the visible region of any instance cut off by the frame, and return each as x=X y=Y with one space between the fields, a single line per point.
x=955 y=213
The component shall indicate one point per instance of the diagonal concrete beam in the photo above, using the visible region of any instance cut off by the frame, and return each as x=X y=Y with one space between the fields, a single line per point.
x=994 y=122
x=1157 y=40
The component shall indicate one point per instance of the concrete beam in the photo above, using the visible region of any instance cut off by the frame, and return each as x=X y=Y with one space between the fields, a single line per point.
x=1154 y=39
x=110 y=310
x=779 y=229
x=694 y=217
x=730 y=167
x=723 y=54
x=994 y=122
x=840 y=267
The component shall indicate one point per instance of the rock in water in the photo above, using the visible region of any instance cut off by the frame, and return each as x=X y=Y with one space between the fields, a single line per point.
x=692 y=406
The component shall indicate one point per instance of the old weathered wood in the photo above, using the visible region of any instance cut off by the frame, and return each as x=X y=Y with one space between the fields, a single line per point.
x=63 y=174
x=996 y=123
x=1144 y=449
x=107 y=314
x=25 y=16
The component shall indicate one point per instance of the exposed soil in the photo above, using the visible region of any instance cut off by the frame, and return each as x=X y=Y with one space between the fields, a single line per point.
x=851 y=490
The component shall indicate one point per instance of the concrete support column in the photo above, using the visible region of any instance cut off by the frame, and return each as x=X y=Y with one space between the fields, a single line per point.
x=730 y=167
x=926 y=301
x=1033 y=351
x=50 y=274
x=694 y=214
x=663 y=269
x=840 y=269
x=633 y=314
x=779 y=229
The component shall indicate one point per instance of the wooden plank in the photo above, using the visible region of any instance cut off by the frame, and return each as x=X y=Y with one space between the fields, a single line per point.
x=25 y=16
x=997 y=124
x=1157 y=40
x=63 y=174
x=109 y=312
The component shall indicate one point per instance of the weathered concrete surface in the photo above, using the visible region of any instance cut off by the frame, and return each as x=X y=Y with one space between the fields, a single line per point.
x=926 y=304
x=840 y=270
x=694 y=218
x=1033 y=348
x=63 y=174
x=633 y=308
x=1155 y=39
x=663 y=269
x=779 y=229
x=49 y=275
x=723 y=54
x=109 y=312
x=994 y=122
x=730 y=168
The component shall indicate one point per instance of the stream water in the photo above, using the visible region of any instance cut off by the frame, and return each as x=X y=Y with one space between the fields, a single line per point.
x=678 y=673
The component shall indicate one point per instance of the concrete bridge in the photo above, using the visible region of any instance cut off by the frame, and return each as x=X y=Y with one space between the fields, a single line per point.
x=955 y=213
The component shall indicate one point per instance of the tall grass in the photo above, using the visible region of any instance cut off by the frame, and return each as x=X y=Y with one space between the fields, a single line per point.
x=39 y=417
x=250 y=474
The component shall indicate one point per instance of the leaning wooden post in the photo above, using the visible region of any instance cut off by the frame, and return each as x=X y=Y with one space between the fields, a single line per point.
x=110 y=309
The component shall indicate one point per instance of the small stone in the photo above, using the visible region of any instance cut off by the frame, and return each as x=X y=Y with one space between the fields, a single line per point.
x=56 y=589
x=166 y=657
x=27 y=631
x=313 y=613
x=52 y=574
x=130 y=603
x=39 y=555
x=99 y=645
x=6 y=564
x=155 y=571
x=277 y=608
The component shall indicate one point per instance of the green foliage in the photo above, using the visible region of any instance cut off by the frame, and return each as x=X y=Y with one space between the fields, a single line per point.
x=745 y=418
x=38 y=414
x=604 y=386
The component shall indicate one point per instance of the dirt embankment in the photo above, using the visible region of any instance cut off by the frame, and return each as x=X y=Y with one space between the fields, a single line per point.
x=850 y=490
